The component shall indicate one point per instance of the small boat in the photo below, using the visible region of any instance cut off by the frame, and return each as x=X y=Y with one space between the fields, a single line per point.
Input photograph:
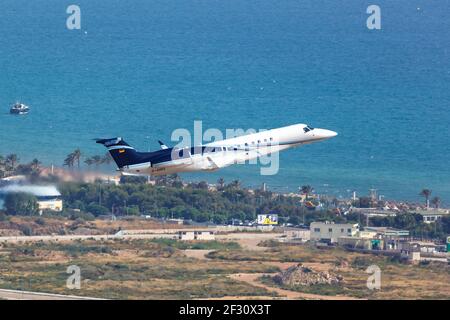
x=19 y=108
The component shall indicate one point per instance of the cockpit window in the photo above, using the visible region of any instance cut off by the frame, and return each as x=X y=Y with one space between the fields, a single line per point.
x=308 y=129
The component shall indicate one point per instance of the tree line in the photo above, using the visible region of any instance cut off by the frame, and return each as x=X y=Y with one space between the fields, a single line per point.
x=74 y=158
x=10 y=165
x=171 y=198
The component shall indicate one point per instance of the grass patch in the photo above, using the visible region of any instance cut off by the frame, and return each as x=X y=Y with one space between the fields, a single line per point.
x=198 y=244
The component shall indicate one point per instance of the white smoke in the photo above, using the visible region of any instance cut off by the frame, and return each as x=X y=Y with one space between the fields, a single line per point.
x=38 y=191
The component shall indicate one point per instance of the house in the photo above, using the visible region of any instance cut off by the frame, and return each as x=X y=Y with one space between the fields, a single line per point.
x=175 y=221
x=330 y=232
x=424 y=247
x=387 y=232
x=391 y=237
x=196 y=235
x=412 y=255
x=432 y=215
x=375 y=212
x=361 y=243
x=297 y=234
x=53 y=203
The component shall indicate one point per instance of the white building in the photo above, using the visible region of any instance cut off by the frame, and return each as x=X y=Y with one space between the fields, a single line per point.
x=361 y=243
x=48 y=197
x=330 y=232
x=196 y=235
x=175 y=221
x=294 y=234
x=422 y=246
x=433 y=215
x=386 y=232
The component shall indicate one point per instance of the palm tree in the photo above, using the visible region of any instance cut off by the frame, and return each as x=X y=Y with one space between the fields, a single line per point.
x=2 y=167
x=221 y=183
x=426 y=193
x=11 y=162
x=335 y=202
x=89 y=161
x=35 y=165
x=77 y=156
x=436 y=201
x=236 y=184
x=107 y=158
x=97 y=160
x=70 y=160
x=306 y=190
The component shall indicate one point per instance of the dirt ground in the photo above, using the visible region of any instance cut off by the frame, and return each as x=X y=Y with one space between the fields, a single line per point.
x=197 y=254
x=251 y=242
x=149 y=269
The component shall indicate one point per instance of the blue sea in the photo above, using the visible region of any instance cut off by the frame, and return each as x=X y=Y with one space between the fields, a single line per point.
x=140 y=69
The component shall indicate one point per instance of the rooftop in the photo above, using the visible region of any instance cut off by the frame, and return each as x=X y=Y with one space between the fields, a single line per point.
x=433 y=212
x=388 y=231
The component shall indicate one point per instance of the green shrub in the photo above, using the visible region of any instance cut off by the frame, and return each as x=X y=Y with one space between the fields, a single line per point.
x=18 y=203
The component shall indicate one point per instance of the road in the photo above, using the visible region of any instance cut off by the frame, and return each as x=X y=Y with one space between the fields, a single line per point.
x=251 y=244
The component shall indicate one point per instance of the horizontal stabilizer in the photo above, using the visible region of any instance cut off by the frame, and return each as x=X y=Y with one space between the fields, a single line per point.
x=112 y=142
x=163 y=146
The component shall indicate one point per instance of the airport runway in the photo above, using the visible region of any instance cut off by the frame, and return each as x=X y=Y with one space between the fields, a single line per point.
x=27 y=295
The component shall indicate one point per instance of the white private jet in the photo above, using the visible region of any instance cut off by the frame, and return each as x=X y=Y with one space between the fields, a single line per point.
x=211 y=156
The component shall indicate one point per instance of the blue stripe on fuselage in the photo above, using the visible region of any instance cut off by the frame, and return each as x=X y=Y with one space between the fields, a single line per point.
x=165 y=155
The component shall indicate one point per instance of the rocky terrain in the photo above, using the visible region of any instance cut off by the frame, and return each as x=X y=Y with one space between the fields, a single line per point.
x=299 y=275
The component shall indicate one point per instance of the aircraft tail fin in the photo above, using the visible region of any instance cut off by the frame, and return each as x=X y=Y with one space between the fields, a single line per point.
x=122 y=153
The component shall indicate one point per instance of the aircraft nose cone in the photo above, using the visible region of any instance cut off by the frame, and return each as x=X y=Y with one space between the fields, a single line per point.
x=331 y=134
x=326 y=134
